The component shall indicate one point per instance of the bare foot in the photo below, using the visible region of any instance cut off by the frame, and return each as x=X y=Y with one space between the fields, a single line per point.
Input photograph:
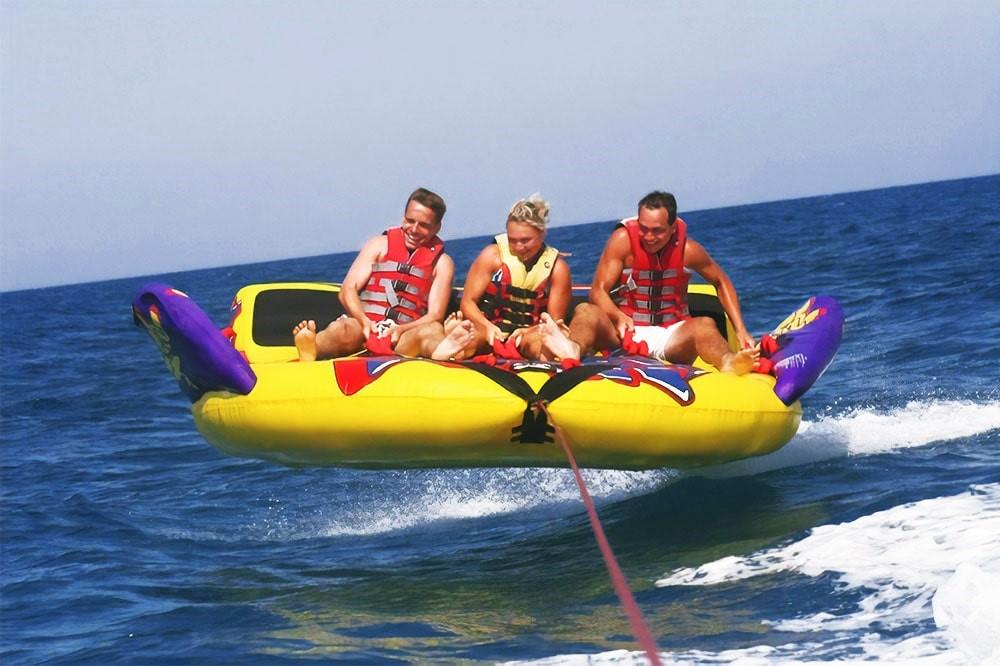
x=556 y=345
x=452 y=320
x=461 y=336
x=741 y=362
x=305 y=339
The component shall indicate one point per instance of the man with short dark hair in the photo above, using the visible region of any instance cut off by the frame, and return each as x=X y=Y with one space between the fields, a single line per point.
x=397 y=288
x=639 y=296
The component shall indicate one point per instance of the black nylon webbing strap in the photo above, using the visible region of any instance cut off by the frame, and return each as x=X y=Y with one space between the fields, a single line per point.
x=535 y=427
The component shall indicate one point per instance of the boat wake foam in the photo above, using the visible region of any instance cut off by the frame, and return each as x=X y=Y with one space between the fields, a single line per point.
x=446 y=495
x=404 y=500
x=936 y=558
x=870 y=431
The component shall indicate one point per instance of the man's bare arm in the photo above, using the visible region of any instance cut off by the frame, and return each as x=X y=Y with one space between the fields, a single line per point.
x=560 y=290
x=699 y=260
x=607 y=276
x=357 y=277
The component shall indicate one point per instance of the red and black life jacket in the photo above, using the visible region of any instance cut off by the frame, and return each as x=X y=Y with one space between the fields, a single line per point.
x=517 y=295
x=653 y=292
x=401 y=280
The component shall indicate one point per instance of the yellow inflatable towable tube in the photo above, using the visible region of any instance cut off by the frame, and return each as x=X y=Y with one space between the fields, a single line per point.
x=252 y=397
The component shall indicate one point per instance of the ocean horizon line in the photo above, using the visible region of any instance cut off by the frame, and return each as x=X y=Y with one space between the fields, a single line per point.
x=262 y=262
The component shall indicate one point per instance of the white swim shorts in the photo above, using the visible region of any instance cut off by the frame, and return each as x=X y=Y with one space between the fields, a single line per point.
x=657 y=338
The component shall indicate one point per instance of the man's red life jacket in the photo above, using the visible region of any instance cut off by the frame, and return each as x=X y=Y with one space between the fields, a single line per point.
x=401 y=280
x=516 y=295
x=654 y=291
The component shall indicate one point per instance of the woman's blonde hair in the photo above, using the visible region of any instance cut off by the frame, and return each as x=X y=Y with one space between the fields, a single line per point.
x=531 y=210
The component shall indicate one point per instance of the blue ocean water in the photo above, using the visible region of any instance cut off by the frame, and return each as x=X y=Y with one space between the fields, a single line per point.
x=873 y=535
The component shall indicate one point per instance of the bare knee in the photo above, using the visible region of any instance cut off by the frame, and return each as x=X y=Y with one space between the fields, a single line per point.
x=591 y=329
x=341 y=327
x=586 y=310
x=341 y=337
x=586 y=316
x=704 y=326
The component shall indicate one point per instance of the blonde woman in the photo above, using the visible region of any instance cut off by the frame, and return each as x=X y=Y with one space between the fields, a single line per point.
x=512 y=283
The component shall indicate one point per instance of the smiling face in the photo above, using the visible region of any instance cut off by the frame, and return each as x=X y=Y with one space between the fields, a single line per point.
x=655 y=230
x=420 y=225
x=524 y=239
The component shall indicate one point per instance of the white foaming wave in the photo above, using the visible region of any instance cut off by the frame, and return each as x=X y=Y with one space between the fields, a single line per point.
x=869 y=431
x=466 y=494
x=935 y=558
x=938 y=558
x=919 y=423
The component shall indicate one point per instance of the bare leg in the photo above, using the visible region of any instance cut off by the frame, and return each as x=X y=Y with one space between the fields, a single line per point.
x=420 y=341
x=592 y=329
x=700 y=337
x=529 y=341
x=556 y=345
x=342 y=337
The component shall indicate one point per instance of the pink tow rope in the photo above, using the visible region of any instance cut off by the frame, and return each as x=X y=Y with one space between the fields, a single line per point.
x=639 y=628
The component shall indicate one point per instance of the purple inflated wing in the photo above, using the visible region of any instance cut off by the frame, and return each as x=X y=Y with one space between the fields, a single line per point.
x=807 y=341
x=195 y=351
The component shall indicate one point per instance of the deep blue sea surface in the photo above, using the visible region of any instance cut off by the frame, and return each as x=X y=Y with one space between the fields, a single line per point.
x=873 y=535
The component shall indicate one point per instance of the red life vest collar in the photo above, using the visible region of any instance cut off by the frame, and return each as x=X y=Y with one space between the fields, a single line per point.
x=653 y=292
x=400 y=281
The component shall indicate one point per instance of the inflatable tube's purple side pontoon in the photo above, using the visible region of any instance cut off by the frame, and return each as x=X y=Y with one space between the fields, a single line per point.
x=196 y=352
x=807 y=341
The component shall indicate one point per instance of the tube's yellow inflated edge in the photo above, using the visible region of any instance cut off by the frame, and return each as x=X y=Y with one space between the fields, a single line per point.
x=420 y=413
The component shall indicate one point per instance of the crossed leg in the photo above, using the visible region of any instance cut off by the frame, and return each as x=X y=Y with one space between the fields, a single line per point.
x=342 y=337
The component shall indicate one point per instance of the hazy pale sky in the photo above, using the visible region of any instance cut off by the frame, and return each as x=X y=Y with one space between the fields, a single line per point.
x=139 y=137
